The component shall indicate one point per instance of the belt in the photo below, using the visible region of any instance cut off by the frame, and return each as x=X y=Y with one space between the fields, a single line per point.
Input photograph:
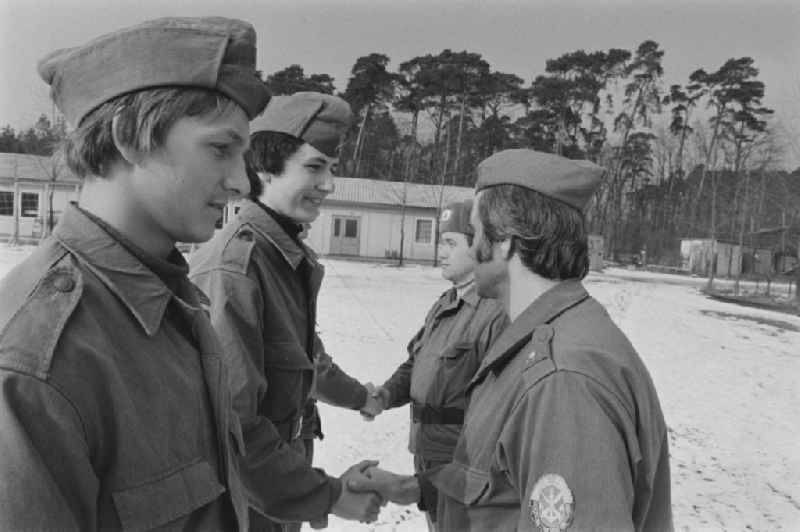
x=432 y=415
x=290 y=430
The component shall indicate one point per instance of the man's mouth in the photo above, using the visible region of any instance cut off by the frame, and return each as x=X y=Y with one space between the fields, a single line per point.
x=314 y=201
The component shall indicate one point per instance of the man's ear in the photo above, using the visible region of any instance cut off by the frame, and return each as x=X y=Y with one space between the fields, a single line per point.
x=129 y=155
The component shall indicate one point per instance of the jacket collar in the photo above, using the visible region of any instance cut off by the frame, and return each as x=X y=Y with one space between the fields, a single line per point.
x=543 y=309
x=140 y=290
x=252 y=214
x=470 y=295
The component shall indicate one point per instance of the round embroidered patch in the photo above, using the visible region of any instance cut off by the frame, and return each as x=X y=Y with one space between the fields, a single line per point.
x=445 y=215
x=551 y=505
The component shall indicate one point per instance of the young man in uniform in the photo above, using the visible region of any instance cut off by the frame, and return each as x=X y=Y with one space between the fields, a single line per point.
x=263 y=283
x=446 y=352
x=114 y=408
x=564 y=430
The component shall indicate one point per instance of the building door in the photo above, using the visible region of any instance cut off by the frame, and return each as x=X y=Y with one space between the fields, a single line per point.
x=345 y=237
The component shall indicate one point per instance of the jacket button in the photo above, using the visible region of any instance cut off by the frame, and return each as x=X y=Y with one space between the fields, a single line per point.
x=64 y=282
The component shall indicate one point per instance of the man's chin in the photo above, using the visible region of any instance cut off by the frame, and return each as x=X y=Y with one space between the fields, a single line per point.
x=306 y=216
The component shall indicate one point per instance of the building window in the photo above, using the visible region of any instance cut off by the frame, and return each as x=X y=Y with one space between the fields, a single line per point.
x=423 y=232
x=6 y=203
x=350 y=228
x=30 y=204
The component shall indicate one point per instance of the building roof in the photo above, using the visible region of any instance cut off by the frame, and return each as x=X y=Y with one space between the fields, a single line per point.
x=371 y=191
x=34 y=168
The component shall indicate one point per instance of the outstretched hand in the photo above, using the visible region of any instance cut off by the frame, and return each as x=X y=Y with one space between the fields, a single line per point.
x=399 y=489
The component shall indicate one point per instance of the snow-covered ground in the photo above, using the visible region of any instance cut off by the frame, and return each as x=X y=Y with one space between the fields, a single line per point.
x=727 y=377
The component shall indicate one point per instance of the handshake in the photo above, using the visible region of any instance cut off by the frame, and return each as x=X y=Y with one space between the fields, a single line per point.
x=366 y=488
x=377 y=401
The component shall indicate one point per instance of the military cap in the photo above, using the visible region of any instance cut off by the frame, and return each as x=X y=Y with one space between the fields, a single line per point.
x=566 y=180
x=317 y=118
x=455 y=218
x=208 y=52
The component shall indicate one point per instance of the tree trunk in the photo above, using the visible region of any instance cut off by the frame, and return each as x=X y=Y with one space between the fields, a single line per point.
x=743 y=221
x=712 y=231
x=403 y=222
x=50 y=213
x=706 y=168
x=438 y=133
x=460 y=130
x=359 y=142
x=441 y=198
x=17 y=205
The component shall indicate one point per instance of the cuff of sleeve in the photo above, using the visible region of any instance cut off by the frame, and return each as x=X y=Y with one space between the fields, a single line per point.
x=360 y=398
x=389 y=387
x=427 y=494
x=336 y=491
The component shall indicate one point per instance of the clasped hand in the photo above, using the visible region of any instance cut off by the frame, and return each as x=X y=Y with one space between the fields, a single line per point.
x=399 y=489
x=358 y=505
x=376 y=401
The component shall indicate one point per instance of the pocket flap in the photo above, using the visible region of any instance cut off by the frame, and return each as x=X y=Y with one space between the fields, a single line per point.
x=462 y=483
x=167 y=498
x=286 y=356
x=457 y=350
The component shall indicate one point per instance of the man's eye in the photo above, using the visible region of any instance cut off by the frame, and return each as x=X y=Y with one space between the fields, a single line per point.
x=220 y=150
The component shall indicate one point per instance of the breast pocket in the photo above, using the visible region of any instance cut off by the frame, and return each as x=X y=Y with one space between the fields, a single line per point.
x=457 y=364
x=171 y=496
x=456 y=352
x=289 y=373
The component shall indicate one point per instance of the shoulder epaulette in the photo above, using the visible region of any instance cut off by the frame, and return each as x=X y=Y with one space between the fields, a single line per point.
x=238 y=249
x=29 y=336
x=540 y=355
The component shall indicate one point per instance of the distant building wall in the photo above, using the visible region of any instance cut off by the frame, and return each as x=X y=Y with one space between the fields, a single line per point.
x=378 y=231
x=30 y=201
x=697 y=256
x=363 y=218
x=596 y=252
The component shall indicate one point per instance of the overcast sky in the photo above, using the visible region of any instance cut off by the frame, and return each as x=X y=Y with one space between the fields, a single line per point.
x=327 y=36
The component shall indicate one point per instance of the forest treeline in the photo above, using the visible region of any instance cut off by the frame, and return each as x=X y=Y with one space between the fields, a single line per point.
x=698 y=159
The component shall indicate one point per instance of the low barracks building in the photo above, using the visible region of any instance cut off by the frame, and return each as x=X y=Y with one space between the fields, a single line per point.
x=364 y=217
x=27 y=183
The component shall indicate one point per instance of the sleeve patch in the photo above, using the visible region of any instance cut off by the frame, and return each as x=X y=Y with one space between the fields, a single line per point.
x=551 y=505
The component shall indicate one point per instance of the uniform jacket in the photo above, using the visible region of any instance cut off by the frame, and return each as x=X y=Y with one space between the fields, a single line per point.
x=564 y=429
x=443 y=357
x=263 y=289
x=114 y=413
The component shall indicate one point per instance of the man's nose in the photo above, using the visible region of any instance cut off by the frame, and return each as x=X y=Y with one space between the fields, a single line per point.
x=236 y=182
x=328 y=183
